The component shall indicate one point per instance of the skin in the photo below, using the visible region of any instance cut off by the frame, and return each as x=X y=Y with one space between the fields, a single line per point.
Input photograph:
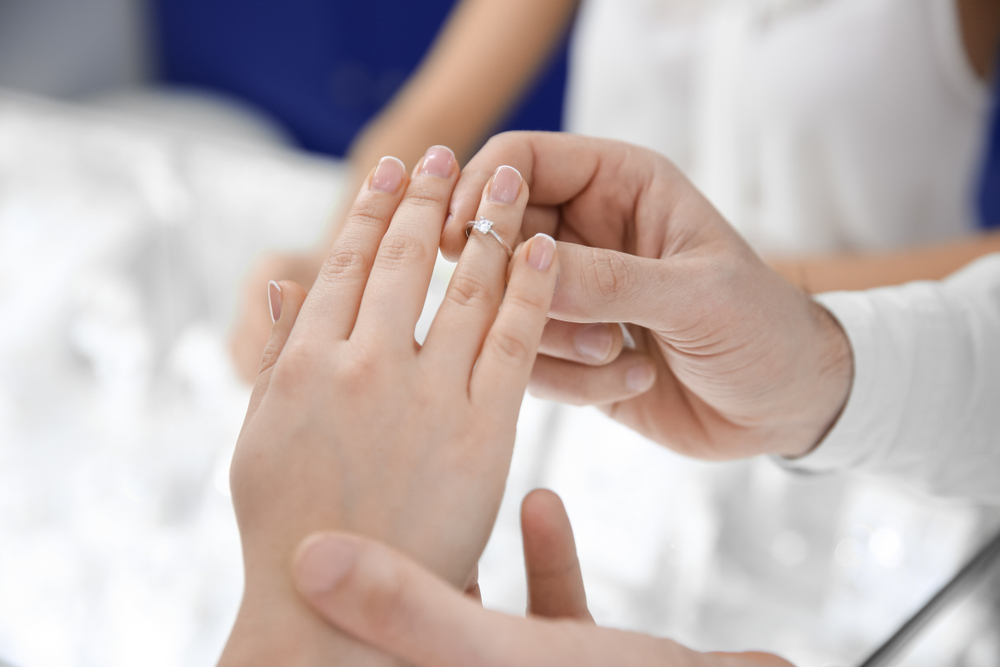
x=743 y=362
x=863 y=271
x=387 y=600
x=486 y=56
x=412 y=492
x=353 y=426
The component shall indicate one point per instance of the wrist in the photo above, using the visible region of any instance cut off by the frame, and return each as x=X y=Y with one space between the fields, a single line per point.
x=278 y=628
x=826 y=385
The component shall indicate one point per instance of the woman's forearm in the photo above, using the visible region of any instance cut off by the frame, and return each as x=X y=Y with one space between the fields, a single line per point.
x=866 y=271
x=485 y=57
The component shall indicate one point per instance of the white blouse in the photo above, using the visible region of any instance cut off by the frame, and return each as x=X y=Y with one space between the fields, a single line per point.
x=813 y=125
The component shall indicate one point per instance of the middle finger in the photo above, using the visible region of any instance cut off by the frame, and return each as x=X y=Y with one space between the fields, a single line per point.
x=401 y=273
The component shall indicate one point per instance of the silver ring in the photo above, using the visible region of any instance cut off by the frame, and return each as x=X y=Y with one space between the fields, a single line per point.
x=485 y=226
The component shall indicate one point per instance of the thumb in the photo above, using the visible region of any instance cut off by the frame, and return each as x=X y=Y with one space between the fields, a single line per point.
x=285 y=299
x=555 y=582
x=387 y=600
x=600 y=285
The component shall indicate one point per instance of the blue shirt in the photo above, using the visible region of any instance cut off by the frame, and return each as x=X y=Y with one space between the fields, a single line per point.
x=322 y=68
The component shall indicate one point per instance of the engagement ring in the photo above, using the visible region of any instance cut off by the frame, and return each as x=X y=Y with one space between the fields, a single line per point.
x=484 y=226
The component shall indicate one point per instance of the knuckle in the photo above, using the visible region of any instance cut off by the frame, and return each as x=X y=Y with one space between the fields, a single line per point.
x=357 y=368
x=510 y=347
x=468 y=291
x=532 y=301
x=400 y=250
x=609 y=275
x=423 y=195
x=503 y=139
x=296 y=361
x=344 y=262
x=368 y=212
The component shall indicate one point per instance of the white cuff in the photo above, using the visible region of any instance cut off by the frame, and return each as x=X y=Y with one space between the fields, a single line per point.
x=875 y=397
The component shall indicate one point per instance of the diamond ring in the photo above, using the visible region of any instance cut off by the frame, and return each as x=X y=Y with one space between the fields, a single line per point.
x=484 y=226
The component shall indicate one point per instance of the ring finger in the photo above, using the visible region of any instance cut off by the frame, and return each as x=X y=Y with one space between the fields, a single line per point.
x=592 y=344
x=476 y=288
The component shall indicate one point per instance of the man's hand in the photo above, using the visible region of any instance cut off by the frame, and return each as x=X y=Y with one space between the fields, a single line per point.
x=743 y=363
x=354 y=426
x=383 y=598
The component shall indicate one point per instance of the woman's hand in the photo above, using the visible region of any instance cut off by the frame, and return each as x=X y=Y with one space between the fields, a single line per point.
x=252 y=328
x=385 y=599
x=743 y=363
x=354 y=426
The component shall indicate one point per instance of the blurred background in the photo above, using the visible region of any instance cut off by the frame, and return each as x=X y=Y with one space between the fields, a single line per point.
x=151 y=152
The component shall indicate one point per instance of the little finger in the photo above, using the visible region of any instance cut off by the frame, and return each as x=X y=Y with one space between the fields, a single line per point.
x=285 y=299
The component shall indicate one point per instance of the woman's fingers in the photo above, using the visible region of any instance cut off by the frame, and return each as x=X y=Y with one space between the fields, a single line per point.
x=555 y=582
x=401 y=273
x=472 y=586
x=556 y=166
x=335 y=297
x=284 y=300
x=477 y=285
x=631 y=374
x=509 y=350
x=592 y=344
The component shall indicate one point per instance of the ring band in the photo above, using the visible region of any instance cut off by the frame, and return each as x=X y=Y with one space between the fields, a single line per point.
x=485 y=226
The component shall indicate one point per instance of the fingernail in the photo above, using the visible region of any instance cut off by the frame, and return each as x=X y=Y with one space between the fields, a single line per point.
x=438 y=161
x=323 y=561
x=594 y=342
x=388 y=175
x=506 y=185
x=274 y=300
x=541 y=252
x=640 y=378
x=627 y=341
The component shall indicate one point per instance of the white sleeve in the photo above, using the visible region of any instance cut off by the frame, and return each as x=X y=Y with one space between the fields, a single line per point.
x=925 y=400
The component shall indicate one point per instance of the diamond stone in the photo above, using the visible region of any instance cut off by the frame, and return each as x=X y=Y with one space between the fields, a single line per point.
x=484 y=226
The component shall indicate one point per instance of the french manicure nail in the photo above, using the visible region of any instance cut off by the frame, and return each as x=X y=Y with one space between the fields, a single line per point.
x=438 y=161
x=388 y=175
x=640 y=378
x=594 y=342
x=274 y=300
x=541 y=252
x=506 y=185
x=322 y=562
